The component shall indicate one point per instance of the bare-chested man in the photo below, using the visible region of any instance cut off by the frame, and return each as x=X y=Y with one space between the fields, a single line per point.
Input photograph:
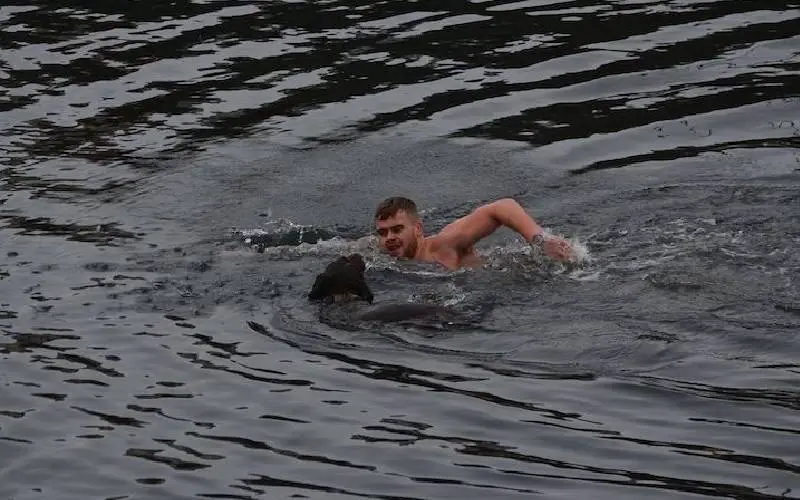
x=400 y=233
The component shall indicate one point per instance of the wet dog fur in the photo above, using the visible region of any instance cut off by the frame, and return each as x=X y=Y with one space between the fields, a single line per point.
x=343 y=290
x=342 y=280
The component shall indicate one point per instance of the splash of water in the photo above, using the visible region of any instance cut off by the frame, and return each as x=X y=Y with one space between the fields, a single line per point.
x=282 y=239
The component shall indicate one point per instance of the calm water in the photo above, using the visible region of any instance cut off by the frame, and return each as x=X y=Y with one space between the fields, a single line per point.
x=175 y=174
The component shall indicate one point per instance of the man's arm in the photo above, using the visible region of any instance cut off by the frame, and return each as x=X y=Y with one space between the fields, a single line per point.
x=462 y=234
x=484 y=220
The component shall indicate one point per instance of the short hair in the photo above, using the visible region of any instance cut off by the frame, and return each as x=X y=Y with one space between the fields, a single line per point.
x=390 y=206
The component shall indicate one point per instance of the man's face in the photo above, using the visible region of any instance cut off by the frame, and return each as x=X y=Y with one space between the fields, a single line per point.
x=398 y=234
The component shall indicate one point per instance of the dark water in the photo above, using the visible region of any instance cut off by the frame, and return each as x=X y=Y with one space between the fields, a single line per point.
x=175 y=174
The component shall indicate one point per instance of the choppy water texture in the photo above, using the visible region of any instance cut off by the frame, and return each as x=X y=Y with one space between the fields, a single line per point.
x=174 y=174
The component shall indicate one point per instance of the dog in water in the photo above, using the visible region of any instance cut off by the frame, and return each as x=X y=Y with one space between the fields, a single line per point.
x=347 y=299
x=343 y=279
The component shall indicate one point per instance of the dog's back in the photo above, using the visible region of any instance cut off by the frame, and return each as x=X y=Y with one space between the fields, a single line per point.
x=343 y=289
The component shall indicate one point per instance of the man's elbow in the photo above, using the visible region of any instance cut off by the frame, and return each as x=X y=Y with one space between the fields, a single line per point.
x=511 y=202
x=499 y=209
x=489 y=212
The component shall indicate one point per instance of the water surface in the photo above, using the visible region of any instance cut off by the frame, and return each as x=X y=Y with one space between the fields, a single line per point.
x=174 y=176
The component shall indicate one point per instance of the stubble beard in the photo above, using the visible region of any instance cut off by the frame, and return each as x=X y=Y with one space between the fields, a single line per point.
x=411 y=250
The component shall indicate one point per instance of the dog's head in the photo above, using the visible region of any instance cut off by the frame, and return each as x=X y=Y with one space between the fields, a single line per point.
x=343 y=279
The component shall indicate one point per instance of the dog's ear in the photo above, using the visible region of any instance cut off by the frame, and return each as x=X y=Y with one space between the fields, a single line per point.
x=363 y=291
x=320 y=288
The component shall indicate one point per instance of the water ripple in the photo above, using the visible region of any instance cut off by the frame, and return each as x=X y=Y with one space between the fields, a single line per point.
x=152 y=348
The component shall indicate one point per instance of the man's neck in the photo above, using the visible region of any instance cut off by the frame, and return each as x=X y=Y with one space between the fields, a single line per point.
x=422 y=249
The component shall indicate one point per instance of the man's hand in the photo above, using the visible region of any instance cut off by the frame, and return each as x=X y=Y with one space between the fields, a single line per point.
x=555 y=248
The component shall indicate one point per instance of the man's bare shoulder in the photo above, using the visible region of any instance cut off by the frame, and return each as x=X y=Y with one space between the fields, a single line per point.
x=440 y=248
x=431 y=245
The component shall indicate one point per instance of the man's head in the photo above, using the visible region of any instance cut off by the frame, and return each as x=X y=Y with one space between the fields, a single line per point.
x=398 y=226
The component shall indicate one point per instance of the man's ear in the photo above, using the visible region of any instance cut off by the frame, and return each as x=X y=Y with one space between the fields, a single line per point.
x=418 y=228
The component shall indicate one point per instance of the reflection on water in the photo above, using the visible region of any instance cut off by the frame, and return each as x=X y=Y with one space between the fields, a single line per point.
x=152 y=348
x=105 y=85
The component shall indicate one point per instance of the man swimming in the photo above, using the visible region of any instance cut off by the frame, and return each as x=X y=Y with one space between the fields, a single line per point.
x=400 y=233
